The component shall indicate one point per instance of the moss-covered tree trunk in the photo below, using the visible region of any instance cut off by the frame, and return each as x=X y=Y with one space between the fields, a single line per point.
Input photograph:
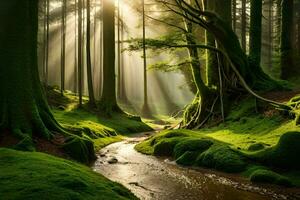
x=108 y=102
x=255 y=32
x=286 y=44
x=24 y=112
x=211 y=57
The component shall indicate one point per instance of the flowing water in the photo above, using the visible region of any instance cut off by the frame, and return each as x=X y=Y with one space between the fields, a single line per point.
x=157 y=178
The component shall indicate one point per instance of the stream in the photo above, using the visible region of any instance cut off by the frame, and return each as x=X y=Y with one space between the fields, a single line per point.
x=154 y=178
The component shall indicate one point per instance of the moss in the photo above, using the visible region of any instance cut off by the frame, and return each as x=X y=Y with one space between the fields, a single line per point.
x=285 y=154
x=223 y=158
x=165 y=147
x=256 y=147
x=192 y=145
x=31 y=176
x=188 y=158
x=102 y=142
x=80 y=149
x=267 y=176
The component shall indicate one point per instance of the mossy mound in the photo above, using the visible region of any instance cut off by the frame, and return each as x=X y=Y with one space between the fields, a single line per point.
x=192 y=145
x=33 y=176
x=189 y=148
x=267 y=176
x=165 y=147
x=80 y=149
x=285 y=154
x=223 y=158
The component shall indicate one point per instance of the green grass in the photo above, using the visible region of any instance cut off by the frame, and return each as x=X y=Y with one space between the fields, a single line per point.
x=35 y=176
x=246 y=139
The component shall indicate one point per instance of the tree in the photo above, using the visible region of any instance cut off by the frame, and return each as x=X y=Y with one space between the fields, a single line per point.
x=108 y=101
x=286 y=44
x=146 y=109
x=201 y=110
x=63 y=44
x=79 y=57
x=244 y=25
x=92 y=101
x=24 y=112
x=255 y=32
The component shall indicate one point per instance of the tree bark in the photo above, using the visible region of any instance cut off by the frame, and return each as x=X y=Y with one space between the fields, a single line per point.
x=92 y=101
x=286 y=45
x=244 y=26
x=80 y=73
x=255 y=32
x=63 y=45
x=108 y=103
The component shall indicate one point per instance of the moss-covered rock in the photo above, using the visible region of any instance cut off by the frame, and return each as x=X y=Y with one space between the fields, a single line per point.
x=223 y=158
x=267 y=176
x=192 y=145
x=188 y=158
x=165 y=147
x=80 y=149
x=34 y=176
x=285 y=154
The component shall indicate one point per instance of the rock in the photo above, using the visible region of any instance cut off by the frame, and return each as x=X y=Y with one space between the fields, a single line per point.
x=113 y=160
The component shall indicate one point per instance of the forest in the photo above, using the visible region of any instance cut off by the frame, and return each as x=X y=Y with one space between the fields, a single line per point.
x=149 y=99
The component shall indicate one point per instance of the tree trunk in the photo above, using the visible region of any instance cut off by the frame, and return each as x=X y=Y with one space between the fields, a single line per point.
x=244 y=26
x=211 y=57
x=298 y=25
x=63 y=45
x=234 y=15
x=286 y=45
x=145 y=110
x=108 y=103
x=76 y=49
x=270 y=35
x=92 y=100
x=255 y=32
x=80 y=74
x=47 y=42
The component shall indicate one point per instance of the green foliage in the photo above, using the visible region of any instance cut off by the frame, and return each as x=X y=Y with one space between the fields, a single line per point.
x=267 y=176
x=32 y=176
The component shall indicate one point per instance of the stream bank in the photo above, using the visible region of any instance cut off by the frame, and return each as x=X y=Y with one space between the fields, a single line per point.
x=149 y=177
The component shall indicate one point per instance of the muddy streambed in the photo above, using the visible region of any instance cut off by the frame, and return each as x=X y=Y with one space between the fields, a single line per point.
x=157 y=178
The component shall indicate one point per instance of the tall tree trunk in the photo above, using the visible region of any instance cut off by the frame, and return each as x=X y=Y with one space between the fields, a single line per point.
x=63 y=45
x=286 y=44
x=119 y=51
x=47 y=42
x=270 y=35
x=211 y=57
x=108 y=102
x=298 y=25
x=92 y=100
x=244 y=25
x=255 y=32
x=234 y=15
x=146 y=110
x=76 y=49
x=80 y=74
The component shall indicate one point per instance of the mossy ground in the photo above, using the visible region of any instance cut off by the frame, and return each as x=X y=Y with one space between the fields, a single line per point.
x=27 y=175
x=247 y=139
x=102 y=130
